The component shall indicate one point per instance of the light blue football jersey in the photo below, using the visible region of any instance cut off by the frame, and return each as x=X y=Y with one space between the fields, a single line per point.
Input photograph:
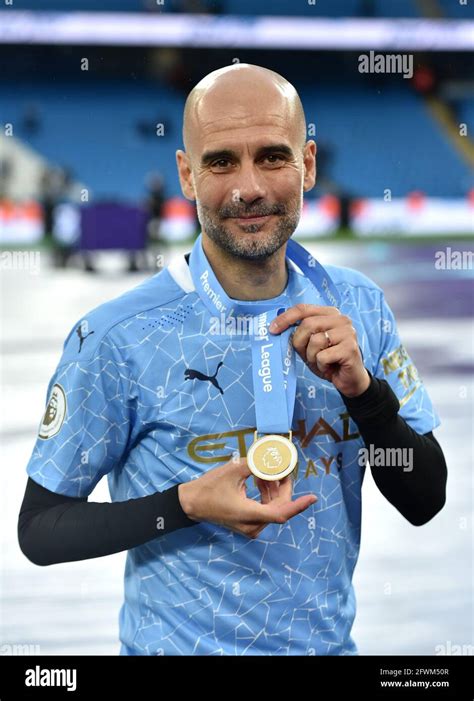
x=146 y=395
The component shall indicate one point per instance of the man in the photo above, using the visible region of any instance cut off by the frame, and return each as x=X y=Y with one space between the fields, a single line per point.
x=161 y=399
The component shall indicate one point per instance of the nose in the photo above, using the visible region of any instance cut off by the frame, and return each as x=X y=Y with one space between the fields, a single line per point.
x=250 y=185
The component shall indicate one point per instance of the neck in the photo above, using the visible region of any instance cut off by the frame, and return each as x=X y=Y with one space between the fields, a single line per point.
x=247 y=279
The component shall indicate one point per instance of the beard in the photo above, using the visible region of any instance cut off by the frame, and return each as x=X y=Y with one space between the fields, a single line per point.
x=271 y=235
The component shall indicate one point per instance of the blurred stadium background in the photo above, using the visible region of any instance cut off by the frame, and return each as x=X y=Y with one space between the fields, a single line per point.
x=91 y=99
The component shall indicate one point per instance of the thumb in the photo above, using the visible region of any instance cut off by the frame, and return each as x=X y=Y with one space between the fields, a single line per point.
x=302 y=503
x=293 y=508
x=239 y=468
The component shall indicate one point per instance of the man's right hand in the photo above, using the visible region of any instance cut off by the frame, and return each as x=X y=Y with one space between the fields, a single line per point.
x=220 y=496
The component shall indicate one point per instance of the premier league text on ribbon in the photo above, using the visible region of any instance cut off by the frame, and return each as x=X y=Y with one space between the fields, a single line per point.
x=213 y=296
x=264 y=370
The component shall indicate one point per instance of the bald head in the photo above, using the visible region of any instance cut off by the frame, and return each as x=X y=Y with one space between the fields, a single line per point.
x=240 y=92
x=247 y=162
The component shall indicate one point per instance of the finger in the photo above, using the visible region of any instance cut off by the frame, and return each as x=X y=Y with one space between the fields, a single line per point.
x=310 y=328
x=319 y=342
x=264 y=489
x=298 y=312
x=274 y=489
x=311 y=344
x=334 y=355
x=239 y=468
x=280 y=513
x=285 y=491
x=271 y=490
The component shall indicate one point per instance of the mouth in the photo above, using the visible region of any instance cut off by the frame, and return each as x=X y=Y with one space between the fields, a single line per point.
x=255 y=219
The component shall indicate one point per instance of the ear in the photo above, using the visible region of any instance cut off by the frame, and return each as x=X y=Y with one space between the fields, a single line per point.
x=185 y=175
x=309 y=160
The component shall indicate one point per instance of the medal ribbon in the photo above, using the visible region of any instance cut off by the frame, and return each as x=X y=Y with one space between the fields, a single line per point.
x=273 y=356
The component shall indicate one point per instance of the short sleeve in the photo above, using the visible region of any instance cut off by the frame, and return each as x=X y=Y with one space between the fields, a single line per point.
x=87 y=422
x=396 y=367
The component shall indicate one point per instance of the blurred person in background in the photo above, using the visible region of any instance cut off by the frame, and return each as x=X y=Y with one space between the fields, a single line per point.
x=6 y=171
x=154 y=203
x=52 y=190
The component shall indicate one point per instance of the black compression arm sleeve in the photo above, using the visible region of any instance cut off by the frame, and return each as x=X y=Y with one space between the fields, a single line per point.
x=55 y=528
x=418 y=493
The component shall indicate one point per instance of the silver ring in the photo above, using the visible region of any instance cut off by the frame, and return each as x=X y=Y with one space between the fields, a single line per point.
x=328 y=339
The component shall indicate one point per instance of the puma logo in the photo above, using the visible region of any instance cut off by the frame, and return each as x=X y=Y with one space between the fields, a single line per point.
x=190 y=374
x=81 y=337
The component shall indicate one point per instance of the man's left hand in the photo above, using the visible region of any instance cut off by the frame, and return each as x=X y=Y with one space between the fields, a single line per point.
x=327 y=342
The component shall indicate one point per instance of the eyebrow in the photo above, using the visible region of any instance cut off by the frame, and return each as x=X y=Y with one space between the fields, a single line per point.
x=210 y=156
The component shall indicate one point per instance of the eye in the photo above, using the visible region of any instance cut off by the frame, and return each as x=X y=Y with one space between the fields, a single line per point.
x=221 y=163
x=273 y=158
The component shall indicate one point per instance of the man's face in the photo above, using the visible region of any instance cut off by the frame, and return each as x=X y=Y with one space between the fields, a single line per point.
x=247 y=171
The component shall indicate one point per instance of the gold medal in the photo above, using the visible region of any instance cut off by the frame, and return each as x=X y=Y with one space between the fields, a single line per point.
x=272 y=457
